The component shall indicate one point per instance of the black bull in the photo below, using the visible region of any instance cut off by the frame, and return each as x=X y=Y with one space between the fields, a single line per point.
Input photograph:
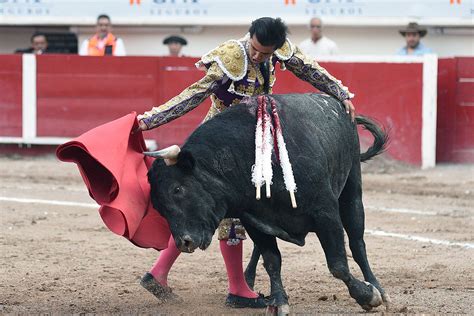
x=211 y=180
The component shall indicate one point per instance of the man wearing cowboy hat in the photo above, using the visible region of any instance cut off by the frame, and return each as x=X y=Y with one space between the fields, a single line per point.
x=413 y=33
x=175 y=44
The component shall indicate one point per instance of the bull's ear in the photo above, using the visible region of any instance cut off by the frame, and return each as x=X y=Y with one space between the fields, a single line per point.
x=186 y=161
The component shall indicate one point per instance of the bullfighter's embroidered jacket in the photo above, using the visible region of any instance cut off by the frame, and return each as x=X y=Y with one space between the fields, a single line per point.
x=231 y=76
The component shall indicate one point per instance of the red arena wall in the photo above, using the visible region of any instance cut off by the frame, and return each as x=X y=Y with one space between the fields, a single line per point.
x=82 y=92
x=455 y=125
x=75 y=94
x=10 y=95
x=381 y=92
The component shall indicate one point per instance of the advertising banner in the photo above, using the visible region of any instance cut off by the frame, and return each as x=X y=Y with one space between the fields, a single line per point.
x=236 y=12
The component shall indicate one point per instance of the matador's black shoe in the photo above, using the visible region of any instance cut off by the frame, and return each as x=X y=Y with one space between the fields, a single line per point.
x=245 y=302
x=161 y=292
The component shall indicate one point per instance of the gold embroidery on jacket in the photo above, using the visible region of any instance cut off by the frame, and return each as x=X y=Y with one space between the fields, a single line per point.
x=230 y=57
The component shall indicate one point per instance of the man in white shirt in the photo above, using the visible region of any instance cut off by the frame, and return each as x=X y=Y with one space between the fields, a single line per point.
x=318 y=45
x=103 y=42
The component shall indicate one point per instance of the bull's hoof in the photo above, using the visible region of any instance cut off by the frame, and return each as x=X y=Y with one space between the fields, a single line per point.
x=163 y=293
x=282 y=310
x=376 y=299
x=235 y=301
x=278 y=304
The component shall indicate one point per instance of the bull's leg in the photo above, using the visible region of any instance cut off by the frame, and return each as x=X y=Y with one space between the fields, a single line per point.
x=251 y=269
x=331 y=235
x=278 y=300
x=352 y=214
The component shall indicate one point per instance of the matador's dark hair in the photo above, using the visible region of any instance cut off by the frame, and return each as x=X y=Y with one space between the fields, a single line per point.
x=269 y=31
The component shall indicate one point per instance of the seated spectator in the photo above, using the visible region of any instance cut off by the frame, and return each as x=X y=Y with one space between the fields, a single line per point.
x=103 y=42
x=318 y=45
x=175 y=44
x=39 y=45
x=413 y=34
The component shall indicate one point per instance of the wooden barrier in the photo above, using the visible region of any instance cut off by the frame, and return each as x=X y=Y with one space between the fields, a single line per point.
x=74 y=94
x=455 y=127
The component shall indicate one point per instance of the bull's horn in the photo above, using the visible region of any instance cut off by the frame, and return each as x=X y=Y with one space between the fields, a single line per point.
x=169 y=154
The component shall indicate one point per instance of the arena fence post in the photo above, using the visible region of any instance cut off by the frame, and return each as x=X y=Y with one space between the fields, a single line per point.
x=29 y=97
x=429 y=110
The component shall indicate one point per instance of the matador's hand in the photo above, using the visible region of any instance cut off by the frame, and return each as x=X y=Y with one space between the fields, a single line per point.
x=142 y=125
x=350 y=109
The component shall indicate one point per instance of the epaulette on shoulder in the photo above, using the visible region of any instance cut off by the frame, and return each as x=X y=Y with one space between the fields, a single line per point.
x=286 y=51
x=231 y=58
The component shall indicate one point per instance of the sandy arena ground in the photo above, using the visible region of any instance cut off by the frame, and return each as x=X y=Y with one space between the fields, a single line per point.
x=61 y=259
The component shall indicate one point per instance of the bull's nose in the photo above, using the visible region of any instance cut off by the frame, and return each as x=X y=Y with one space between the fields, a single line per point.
x=186 y=244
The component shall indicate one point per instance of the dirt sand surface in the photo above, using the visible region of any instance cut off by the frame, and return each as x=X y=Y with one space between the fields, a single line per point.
x=61 y=259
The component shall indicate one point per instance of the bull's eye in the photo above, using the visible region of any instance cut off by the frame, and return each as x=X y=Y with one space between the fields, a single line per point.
x=176 y=190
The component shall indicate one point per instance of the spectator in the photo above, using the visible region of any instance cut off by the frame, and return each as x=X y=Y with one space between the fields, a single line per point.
x=175 y=44
x=318 y=44
x=413 y=33
x=103 y=42
x=39 y=45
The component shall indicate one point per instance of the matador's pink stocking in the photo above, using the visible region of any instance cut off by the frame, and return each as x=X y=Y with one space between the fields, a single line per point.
x=235 y=274
x=165 y=261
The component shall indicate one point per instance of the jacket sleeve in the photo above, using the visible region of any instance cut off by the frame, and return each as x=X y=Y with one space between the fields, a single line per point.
x=187 y=100
x=309 y=70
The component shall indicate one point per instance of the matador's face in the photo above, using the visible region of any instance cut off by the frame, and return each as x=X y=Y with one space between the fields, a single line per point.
x=257 y=52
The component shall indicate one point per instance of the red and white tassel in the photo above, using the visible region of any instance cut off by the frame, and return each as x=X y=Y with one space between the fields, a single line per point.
x=257 y=168
x=284 y=158
x=269 y=136
x=267 y=171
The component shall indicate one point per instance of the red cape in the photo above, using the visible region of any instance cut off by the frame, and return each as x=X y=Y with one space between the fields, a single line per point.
x=114 y=169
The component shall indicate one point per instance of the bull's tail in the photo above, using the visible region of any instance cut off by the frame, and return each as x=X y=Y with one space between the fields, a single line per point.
x=381 y=138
